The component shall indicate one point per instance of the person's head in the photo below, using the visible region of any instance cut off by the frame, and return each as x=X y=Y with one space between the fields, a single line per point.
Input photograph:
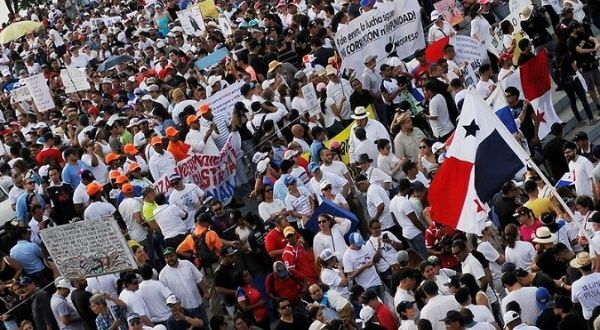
x=290 y=235
x=469 y=282
x=524 y=215
x=512 y=95
x=462 y=296
x=406 y=310
x=407 y=279
x=511 y=319
x=581 y=140
x=241 y=323
x=584 y=204
x=170 y=256
x=485 y=71
x=454 y=320
x=362 y=183
x=63 y=287
x=525 y=45
x=284 y=307
x=356 y=241
x=134 y=321
x=509 y=189
x=430 y=288
x=316 y=292
x=459 y=249
x=429 y=89
x=130 y=281
x=510 y=281
x=98 y=304
x=325 y=220
x=561 y=305
x=370 y=298
x=26 y=325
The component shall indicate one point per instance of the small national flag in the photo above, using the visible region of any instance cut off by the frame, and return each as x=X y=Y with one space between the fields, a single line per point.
x=483 y=156
x=566 y=180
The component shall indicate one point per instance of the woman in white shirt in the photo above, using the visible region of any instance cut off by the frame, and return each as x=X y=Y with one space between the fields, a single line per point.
x=331 y=110
x=518 y=252
x=298 y=101
x=332 y=273
x=481 y=29
x=439 y=29
x=331 y=235
x=270 y=208
x=388 y=162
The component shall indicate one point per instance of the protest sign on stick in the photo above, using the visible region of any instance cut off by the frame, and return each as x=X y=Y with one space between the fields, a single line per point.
x=74 y=80
x=38 y=88
x=191 y=20
x=311 y=98
x=451 y=10
x=88 y=248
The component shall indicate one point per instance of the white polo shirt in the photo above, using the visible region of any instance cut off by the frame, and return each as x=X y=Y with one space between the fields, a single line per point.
x=183 y=281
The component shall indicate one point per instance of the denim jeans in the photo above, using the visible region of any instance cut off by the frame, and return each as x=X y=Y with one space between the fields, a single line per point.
x=417 y=243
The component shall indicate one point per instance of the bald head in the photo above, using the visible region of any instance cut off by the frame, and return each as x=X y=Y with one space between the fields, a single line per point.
x=298 y=131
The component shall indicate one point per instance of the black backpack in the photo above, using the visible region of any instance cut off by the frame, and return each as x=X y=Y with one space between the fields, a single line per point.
x=204 y=253
x=259 y=132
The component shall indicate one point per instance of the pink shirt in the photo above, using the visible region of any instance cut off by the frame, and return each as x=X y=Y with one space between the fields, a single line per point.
x=528 y=232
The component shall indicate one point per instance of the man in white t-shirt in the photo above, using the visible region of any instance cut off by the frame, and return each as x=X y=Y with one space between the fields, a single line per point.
x=439 y=117
x=485 y=85
x=387 y=246
x=437 y=305
x=404 y=212
x=378 y=202
x=358 y=264
x=525 y=296
x=586 y=290
x=135 y=304
x=131 y=211
x=581 y=170
x=187 y=196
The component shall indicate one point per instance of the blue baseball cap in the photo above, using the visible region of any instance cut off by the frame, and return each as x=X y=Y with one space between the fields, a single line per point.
x=542 y=298
x=356 y=239
x=289 y=180
x=312 y=167
x=367 y=3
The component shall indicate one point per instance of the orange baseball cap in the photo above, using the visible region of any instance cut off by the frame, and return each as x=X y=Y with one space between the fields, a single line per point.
x=156 y=140
x=191 y=119
x=130 y=149
x=204 y=108
x=93 y=188
x=171 y=131
x=112 y=157
x=127 y=188
x=133 y=166
x=114 y=174
x=122 y=179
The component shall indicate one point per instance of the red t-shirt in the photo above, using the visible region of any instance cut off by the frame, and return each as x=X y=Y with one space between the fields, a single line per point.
x=275 y=241
x=433 y=235
x=50 y=152
x=300 y=263
x=252 y=296
x=288 y=288
x=386 y=318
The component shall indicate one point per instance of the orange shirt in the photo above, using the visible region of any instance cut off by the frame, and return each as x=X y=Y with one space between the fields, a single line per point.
x=179 y=150
x=213 y=241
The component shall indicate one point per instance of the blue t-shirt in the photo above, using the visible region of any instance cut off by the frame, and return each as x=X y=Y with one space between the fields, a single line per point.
x=71 y=174
x=21 y=212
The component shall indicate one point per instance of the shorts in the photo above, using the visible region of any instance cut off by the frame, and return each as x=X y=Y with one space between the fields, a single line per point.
x=592 y=78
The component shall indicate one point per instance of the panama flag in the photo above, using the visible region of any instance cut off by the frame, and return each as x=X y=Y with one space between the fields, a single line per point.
x=483 y=155
x=532 y=79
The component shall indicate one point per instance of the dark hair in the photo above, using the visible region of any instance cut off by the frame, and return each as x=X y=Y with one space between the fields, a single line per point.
x=523 y=43
x=512 y=91
x=511 y=235
x=484 y=67
x=469 y=281
x=585 y=201
x=462 y=295
x=424 y=324
x=382 y=143
x=513 y=306
x=569 y=145
x=146 y=272
x=509 y=279
x=505 y=26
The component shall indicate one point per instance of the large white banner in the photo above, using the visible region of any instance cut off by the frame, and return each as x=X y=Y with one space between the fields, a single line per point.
x=471 y=52
x=397 y=23
x=88 y=248
x=74 y=79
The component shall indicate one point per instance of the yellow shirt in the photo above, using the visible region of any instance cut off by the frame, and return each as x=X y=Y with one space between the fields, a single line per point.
x=539 y=206
x=148 y=211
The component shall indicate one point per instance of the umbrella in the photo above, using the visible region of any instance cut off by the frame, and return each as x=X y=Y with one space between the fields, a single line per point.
x=113 y=61
x=17 y=30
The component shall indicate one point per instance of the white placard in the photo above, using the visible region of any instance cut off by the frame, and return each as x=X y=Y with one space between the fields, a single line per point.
x=20 y=94
x=88 y=248
x=494 y=44
x=311 y=98
x=221 y=104
x=395 y=23
x=38 y=88
x=191 y=20
x=74 y=80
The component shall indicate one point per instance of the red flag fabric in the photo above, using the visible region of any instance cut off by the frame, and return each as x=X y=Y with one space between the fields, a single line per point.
x=535 y=76
x=435 y=51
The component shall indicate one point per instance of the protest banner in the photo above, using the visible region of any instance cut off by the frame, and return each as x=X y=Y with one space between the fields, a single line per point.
x=191 y=20
x=221 y=103
x=396 y=23
x=211 y=59
x=311 y=99
x=107 y=21
x=468 y=50
x=208 y=8
x=88 y=248
x=74 y=80
x=451 y=10
x=224 y=25
x=20 y=94
x=494 y=44
x=38 y=88
x=215 y=174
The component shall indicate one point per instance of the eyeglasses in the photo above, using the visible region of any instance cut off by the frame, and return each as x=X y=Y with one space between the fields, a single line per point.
x=323 y=221
x=284 y=306
x=29 y=182
x=268 y=191
x=135 y=322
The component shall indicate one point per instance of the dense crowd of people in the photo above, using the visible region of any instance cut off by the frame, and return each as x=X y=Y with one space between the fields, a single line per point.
x=252 y=261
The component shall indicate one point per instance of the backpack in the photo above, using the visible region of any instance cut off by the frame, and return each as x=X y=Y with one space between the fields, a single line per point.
x=204 y=253
x=259 y=132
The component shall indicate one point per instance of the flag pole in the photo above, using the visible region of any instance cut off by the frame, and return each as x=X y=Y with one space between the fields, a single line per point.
x=562 y=203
